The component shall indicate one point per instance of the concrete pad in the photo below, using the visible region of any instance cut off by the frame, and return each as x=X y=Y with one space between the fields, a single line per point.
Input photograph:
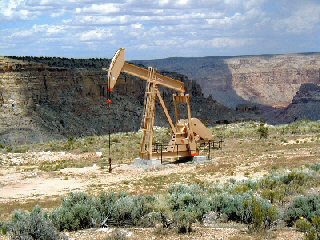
x=200 y=159
x=138 y=162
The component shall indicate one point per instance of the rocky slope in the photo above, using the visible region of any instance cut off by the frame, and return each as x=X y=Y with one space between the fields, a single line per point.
x=305 y=105
x=270 y=80
x=44 y=100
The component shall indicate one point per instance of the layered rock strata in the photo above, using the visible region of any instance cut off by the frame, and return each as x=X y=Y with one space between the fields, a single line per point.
x=270 y=80
x=39 y=103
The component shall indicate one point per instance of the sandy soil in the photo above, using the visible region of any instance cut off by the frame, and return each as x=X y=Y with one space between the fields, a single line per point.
x=248 y=159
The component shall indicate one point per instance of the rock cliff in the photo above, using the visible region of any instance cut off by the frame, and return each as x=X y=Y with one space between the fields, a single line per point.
x=270 y=80
x=43 y=100
x=305 y=105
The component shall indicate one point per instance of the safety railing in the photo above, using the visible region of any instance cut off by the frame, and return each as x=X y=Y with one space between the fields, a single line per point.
x=204 y=146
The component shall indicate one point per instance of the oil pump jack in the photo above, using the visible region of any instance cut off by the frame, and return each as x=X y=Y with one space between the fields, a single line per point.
x=187 y=134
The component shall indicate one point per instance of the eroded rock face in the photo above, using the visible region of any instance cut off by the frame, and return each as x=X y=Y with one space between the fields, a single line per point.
x=307 y=93
x=39 y=103
x=305 y=105
x=270 y=80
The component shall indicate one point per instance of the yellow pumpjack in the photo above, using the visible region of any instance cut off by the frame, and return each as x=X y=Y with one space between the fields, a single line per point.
x=187 y=134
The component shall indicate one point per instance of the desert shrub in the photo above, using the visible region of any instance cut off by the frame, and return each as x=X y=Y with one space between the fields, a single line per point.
x=274 y=195
x=276 y=187
x=311 y=229
x=245 y=208
x=3 y=228
x=105 y=206
x=78 y=211
x=263 y=131
x=69 y=145
x=263 y=214
x=188 y=204
x=303 y=225
x=301 y=126
x=241 y=188
x=163 y=208
x=244 y=186
x=312 y=235
x=269 y=182
x=129 y=210
x=315 y=167
x=305 y=206
x=230 y=205
x=33 y=225
x=316 y=223
x=272 y=189
x=296 y=177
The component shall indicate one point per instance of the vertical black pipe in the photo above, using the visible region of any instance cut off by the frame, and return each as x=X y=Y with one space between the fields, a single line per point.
x=177 y=150
x=161 y=153
x=109 y=127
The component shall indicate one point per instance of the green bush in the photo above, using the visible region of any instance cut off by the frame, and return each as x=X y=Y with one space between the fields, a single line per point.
x=106 y=203
x=245 y=208
x=244 y=186
x=312 y=235
x=263 y=131
x=129 y=210
x=276 y=187
x=188 y=204
x=316 y=223
x=305 y=206
x=315 y=167
x=78 y=211
x=263 y=214
x=69 y=145
x=272 y=189
x=3 y=228
x=303 y=225
x=298 y=178
x=33 y=225
x=311 y=229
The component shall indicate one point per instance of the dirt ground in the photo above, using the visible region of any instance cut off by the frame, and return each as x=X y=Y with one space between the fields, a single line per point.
x=216 y=233
x=23 y=184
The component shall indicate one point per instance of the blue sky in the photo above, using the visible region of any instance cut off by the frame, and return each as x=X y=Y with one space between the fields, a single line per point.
x=157 y=29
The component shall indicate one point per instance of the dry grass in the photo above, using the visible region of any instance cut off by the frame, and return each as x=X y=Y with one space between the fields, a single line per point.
x=6 y=209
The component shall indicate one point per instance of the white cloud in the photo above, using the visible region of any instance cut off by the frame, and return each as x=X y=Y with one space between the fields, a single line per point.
x=49 y=30
x=21 y=34
x=99 y=9
x=183 y=2
x=9 y=9
x=95 y=35
x=137 y=25
x=58 y=13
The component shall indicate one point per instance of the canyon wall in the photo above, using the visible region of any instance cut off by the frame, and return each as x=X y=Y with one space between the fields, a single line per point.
x=49 y=98
x=39 y=102
x=270 y=80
